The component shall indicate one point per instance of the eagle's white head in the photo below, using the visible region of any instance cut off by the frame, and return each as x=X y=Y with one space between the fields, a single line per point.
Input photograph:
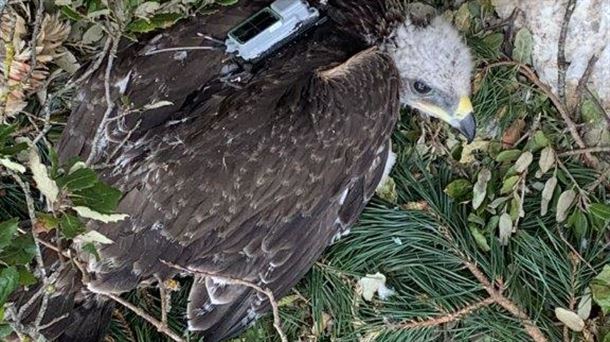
x=435 y=67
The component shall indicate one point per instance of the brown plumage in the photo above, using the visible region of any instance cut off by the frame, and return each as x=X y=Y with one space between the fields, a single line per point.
x=249 y=180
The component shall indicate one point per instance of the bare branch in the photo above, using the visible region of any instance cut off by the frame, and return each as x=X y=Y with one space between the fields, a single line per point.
x=180 y=48
x=109 y=103
x=582 y=85
x=33 y=41
x=163 y=295
x=450 y=317
x=562 y=64
x=595 y=149
x=38 y=254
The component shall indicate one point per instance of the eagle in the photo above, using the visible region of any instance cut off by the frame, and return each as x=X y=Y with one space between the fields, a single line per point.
x=250 y=171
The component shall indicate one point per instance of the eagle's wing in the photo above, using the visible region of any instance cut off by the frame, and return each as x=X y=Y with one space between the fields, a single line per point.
x=254 y=185
x=143 y=77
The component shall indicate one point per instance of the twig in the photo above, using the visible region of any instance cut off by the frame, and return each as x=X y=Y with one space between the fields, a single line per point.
x=96 y=65
x=109 y=103
x=576 y=253
x=450 y=317
x=179 y=48
x=38 y=254
x=582 y=85
x=595 y=149
x=236 y=281
x=561 y=51
x=530 y=327
x=598 y=104
x=159 y=325
x=53 y=321
x=164 y=299
x=33 y=41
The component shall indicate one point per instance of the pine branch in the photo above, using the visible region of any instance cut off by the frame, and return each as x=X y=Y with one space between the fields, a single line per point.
x=450 y=317
x=497 y=296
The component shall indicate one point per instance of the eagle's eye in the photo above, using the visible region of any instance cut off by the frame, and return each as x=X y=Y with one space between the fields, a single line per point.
x=421 y=87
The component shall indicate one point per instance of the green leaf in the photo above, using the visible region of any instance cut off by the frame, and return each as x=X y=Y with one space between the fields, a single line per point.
x=524 y=161
x=509 y=184
x=493 y=43
x=14 y=149
x=78 y=180
x=48 y=221
x=564 y=204
x=480 y=188
x=5 y=330
x=226 y=2
x=20 y=252
x=539 y=141
x=547 y=160
x=90 y=248
x=578 y=221
x=492 y=223
x=506 y=228
x=100 y=197
x=9 y=281
x=462 y=18
x=472 y=217
x=600 y=210
x=570 y=319
x=161 y=20
x=458 y=189
x=5 y=133
x=600 y=289
x=26 y=277
x=8 y=229
x=71 y=226
x=524 y=43
x=516 y=209
x=547 y=194
x=54 y=168
x=508 y=155
x=71 y=13
x=480 y=239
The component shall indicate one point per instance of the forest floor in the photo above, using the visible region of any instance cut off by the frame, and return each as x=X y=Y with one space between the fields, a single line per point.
x=503 y=239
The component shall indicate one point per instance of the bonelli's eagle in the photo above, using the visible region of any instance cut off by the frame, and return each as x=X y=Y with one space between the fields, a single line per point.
x=251 y=173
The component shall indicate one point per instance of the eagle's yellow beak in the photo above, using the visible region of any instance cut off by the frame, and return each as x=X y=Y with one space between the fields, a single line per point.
x=461 y=118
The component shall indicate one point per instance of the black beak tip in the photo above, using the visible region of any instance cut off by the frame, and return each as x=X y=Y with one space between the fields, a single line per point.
x=468 y=128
